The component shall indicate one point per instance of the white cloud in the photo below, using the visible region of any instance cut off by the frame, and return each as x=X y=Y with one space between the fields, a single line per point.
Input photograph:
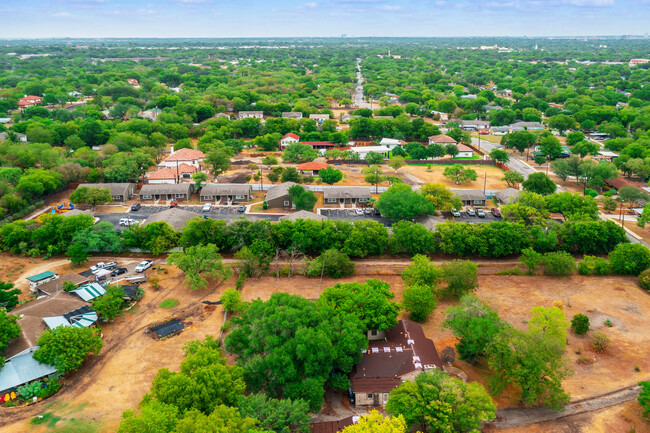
x=390 y=8
x=61 y=15
x=591 y=2
x=311 y=5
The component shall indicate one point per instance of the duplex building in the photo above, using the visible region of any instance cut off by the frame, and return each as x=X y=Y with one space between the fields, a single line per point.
x=278 y=195
x=176 y=191
x=226 y=192
x=342 y=195
x=364 y=150
x=251 y=115
x=292 y=115
x=522 y=126
x=470 y=197
x=319 y=117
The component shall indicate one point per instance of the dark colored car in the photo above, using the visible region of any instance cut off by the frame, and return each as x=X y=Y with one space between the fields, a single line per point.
x=118 y=271
x=496 y=212
x=136 y=207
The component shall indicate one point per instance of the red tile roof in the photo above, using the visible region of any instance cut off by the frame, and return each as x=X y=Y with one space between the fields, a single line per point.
x=291 y=135
x=311 y=166
x=186 y=155
x=442 y=139
x=318 y=143
x=171 y=173
x=29 y=100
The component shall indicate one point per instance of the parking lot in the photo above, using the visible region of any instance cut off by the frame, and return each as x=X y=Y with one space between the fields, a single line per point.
x=465 y=218
x=129 y=264
x=350 y=214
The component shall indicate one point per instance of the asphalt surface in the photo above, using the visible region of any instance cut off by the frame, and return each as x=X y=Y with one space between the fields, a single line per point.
x=514 y=164
x=351 y=215
x=465 y=218
x=358 y=98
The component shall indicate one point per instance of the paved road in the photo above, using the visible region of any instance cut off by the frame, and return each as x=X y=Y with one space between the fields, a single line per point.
x=514 y=164
x=358 y=98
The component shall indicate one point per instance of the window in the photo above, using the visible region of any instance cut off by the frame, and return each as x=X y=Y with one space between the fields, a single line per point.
x=207 y=197
x=369 y=395
x=286 y=202
x=331 y=200
x=116 y=197
x=478 y=201
x=240 y=197
x=363 y=199
x=146 y=196
x=180 y=195
x=373 y=332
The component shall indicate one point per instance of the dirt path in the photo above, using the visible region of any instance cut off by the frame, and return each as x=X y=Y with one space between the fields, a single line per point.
x=508 y=418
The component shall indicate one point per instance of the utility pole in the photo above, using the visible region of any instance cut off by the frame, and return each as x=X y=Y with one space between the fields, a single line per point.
x=484 y=181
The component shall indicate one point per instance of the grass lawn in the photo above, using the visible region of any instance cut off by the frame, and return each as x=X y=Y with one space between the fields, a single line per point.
x=168 y=303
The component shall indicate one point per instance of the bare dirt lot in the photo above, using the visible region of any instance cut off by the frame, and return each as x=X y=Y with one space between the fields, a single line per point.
x=116 y=379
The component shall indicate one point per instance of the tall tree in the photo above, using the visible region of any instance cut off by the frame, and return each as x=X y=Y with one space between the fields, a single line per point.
x=400 y=202
x=199 y=263
x=8 y=296
x=66 y=348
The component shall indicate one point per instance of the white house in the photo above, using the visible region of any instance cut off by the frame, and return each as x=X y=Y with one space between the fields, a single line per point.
x=464 y=151
x=288 y=139
x=186 y=156
x=391 y=143
x=364 y=150
x=251 y=114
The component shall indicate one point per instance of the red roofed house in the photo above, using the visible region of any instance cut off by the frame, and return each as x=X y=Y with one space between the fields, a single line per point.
x=172 y=174
x=28 y=101
x=289 y=139
x=311 y=168
x=133 y=82
x=193 y=157
x=319 y=145
x=399 y=355
x=442 y=139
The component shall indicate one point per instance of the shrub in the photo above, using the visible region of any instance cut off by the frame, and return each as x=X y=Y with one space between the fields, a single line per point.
x=531 y=259
x=69 y=285
x=52 y=385
x=580 y=324
x=331 y=263
x=630 y=259
x=231 y=300
x=265 y=205
x=644 y=279
x=558 y=263
x=594 y=265
x=600 y=342
x=516 y=270
x=30 y=390
x=419 y=301
x=591 y=192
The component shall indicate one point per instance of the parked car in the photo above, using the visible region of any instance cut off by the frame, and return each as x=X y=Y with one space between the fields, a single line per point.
x=143 y=266
x=241 y=209
x=124 y=221
x=377 y=213
x=110 y=265
x=359 y=211
x=97 y=267
x=455 y=213
x=496 y=212
x=206 y=207
x=118 y=271
x=471 y=212
x=173 y=205
x=480 y=213
x=136 y=207
x=367 y=211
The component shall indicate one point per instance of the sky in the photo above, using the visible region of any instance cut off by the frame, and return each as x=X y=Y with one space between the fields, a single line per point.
x=320 y=18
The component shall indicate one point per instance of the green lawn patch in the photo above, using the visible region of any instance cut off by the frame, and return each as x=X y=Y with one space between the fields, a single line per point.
x=169 y=303
x=47 y=418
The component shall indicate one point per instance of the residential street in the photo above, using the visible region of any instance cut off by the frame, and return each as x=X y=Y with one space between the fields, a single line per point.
x=514 y=164
x=358 y=98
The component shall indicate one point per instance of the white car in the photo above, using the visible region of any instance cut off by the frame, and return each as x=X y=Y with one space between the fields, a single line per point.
x=470 y=212
x=97 y=267
x=206 y=207
x=128 y=221
x=359 y=212
x=143 y=266
x=455 y=213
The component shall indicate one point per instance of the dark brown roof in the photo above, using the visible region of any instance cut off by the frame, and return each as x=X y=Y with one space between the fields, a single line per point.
x=404 y=350
x=330 y=426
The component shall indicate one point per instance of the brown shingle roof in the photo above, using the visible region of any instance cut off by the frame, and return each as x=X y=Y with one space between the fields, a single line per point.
x=442 y=139
x=186 y=154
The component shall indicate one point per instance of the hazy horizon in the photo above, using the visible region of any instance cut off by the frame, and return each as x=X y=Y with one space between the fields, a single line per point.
x=187 y=19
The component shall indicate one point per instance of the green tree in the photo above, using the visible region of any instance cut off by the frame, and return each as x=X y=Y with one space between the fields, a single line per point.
x=231 y=300
x=223 y=419
x=630 y=259
x=396 y=162
x=422 y=272
x=400 y=202
x=298 y=153
x=573 y=205
x=532 y=363
x=550 y=147
x=203 y=381
x=219 y=160
x=539 y=183
x=442 y=403
x=371 y=302
x=154 y=417
x=374 y=158
x=330 y=175
x=513 y=178
x=580 y=324
x=332 y=263
x=461 y=277
x=317 y=346
x=91 y=196
x=549 y=322
x=644 y=398
x=558 y=263
x=9 y=329
x=8 y=297
x=66 y=348
x=562 y=123
x=441 y=197
x=520 y=140
x=475 y=325
x=199 y=263
x=279 y=416
x=459 y=174
x=199 y=179
x=373 y=175
x=303 y=199
x=110 y=304
x=290 y=174
x=419 y=302
x=411 y=238
x=561 y=169
x=499 y=155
